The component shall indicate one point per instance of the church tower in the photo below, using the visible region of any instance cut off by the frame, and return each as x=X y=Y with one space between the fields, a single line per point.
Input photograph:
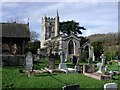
x=50 y=28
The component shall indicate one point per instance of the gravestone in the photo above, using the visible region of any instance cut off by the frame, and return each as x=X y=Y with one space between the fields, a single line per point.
x=98 y=65
x=62 y=65
x=102 y=67
x=50 y=59
x=102 y=59
x=110 y=86
x=71 y=87
x=62 y=58
x=88 y=68
x=29 y=61
x=74 y=60
x=37 y=58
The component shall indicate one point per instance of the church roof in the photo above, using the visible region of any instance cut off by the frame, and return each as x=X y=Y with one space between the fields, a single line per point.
x=71 y=36
x=15 y=30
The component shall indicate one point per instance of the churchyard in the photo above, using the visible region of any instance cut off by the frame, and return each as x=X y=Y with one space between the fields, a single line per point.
x=64 y=62
x=12 y=78
x=61 y=60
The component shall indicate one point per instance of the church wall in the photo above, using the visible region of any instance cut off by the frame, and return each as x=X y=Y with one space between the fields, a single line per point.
x=54 y=23
x=77 y=46
x=65 y=46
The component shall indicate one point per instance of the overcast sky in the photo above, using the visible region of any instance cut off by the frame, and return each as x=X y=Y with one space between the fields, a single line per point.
x=96 y=17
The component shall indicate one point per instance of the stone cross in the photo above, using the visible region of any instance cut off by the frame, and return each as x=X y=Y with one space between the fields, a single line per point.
x=102 y=59
x=102 y=67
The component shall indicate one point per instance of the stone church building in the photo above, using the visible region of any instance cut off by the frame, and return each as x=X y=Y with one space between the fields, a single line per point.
x=69 y=44
x=50 y=31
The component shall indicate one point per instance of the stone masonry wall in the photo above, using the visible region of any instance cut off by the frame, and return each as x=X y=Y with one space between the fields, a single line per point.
x=13 y=60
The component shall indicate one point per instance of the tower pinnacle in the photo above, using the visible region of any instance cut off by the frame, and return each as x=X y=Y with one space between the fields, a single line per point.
x=57 y=13
x=45 y=15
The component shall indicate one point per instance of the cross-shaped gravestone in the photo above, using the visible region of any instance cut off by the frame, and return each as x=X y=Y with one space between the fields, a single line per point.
x=102 y=59
x=102 y=67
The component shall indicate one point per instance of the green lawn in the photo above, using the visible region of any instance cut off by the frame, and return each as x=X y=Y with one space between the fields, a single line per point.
x=11 y=78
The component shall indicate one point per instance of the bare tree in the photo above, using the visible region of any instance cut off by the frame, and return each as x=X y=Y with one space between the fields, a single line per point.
x=34 y=36
x=52 y=47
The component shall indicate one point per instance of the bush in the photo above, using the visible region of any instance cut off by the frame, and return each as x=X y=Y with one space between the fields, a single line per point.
x=85 y=56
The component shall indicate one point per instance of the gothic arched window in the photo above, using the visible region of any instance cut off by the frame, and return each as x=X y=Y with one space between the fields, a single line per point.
x=70 y=47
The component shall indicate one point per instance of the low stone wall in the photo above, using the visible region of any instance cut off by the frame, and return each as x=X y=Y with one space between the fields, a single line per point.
x=13 y=60
x=93 y=76
x=89 y=71
x=99 y=77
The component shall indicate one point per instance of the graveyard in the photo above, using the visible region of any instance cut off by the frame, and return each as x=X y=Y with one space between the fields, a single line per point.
x=60 y=59
x=62 y=62
x=13 y=79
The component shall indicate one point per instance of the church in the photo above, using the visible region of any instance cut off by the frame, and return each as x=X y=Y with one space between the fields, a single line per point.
x=69 y=44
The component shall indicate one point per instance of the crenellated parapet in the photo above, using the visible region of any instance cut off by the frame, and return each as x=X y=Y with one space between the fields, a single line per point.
x=50 y=28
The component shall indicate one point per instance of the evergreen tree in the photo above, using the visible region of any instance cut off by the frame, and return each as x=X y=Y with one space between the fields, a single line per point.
x=69 y=27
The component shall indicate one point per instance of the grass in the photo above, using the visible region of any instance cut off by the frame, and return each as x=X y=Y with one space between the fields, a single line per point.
x=0 y=77
x=11 y=78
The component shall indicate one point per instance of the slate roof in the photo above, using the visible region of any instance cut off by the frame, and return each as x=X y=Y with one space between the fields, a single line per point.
x=15 y=30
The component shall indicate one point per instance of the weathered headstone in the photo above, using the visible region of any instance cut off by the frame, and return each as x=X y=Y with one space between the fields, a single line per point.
x=62 y=65
x=50 y=59
x=71 y=87
x=62 y=56
x=98 y=65
x=36 y=58
x=74 y=60
x=88 y=68
x=110 y=86
x=29 y=61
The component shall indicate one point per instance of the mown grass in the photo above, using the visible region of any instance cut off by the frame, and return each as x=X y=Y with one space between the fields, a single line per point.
x=0 y=77
x=11 y=78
